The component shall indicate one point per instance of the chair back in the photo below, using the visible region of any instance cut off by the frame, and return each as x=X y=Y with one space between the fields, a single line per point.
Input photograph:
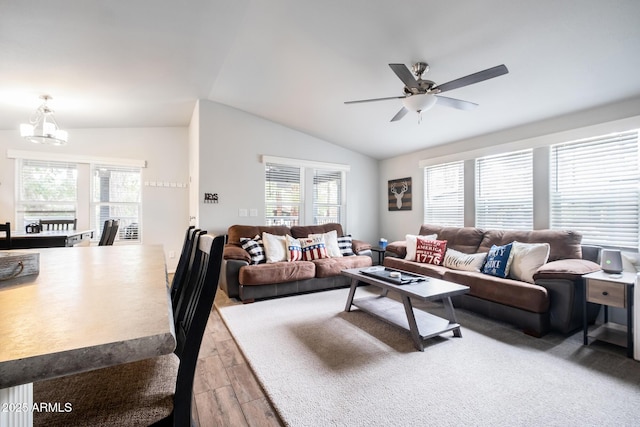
x=5 y=243
x=194 y=302
x=58 y=224
x=106 y=232
x=115 y=224
x=186 y=259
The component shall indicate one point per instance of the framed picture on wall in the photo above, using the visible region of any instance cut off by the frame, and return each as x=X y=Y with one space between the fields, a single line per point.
x=399 y=191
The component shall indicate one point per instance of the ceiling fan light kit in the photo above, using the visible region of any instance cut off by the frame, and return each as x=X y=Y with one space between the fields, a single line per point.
x=42 y=127
x=420 y=94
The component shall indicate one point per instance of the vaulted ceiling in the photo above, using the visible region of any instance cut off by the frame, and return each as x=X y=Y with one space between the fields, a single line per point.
x=146 y=62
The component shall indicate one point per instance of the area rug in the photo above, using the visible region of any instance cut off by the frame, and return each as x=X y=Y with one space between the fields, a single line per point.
x=322 y=366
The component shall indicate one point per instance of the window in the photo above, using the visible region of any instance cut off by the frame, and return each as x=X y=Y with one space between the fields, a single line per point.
x=594 y=189
x=283 y=195
x=327 y=196
x=444 y=194
x=288 y=181
x=116 y=195
x=504 y=191
x=45 y=190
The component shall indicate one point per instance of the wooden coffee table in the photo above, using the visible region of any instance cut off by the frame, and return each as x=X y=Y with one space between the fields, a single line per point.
x=421 y=324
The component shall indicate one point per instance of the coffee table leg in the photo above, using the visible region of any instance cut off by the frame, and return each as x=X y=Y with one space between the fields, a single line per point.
x=413 y=326
x=451 y=315
x=352 y=292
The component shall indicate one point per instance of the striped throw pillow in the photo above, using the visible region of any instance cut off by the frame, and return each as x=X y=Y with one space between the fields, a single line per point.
x=294 y=250
x=345 y=243
x=255 y=248
x=313 y=248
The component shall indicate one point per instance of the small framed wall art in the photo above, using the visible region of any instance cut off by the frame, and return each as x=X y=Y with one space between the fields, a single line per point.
x=399 y=191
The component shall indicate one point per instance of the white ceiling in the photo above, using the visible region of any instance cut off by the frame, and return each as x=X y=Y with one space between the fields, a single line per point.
x=145 y=62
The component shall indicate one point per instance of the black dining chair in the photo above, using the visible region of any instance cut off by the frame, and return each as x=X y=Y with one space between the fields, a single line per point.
x=185 y=260
x=5 y=243
x=109 y=231
x=58 y=224
x=156 y=391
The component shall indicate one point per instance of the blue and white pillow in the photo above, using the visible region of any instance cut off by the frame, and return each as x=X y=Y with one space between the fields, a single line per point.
x=345 y=243
x=255 y=248
x=498 y=260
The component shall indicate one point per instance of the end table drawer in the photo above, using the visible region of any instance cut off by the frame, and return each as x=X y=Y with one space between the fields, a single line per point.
x=607 y=293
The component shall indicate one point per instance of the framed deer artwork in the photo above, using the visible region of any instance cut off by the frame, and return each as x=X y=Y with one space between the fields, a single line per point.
x=399 y=191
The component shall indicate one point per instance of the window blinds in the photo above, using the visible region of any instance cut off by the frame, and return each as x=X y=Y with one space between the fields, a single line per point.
x=327 y=196
x=504 y=191
x=444 y=194
x=282 y=194
x=595 y=189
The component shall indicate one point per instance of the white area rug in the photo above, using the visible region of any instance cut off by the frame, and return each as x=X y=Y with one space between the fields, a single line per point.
x=322 y=366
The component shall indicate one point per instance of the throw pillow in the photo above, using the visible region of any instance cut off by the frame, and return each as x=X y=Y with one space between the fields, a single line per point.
x=331 y=242
x=274 y=247
x=345 y=243
x=430 y=251
x=313 y=248
x=460 y=261
x=294 y=249
x=255 y=248
x=498 y=260
x=527 y=259
x=411 y=244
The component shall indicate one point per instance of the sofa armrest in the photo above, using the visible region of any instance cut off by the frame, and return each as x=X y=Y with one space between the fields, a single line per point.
x=397 y=249
x=359 y=246
x=568 y=269
x=234 y=252
x=230 y=275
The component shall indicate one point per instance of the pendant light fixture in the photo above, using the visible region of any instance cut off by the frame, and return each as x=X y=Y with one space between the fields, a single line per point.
x=42 y=127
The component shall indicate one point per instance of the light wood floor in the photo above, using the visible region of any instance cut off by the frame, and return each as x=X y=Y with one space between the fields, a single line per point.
x=226 y=393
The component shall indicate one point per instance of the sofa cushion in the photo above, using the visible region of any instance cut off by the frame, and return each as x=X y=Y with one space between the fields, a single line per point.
x=235 y=232
x=331 y=242
x=430 y=251
x=568 y=269
x=299 y=231
x=412 y=242
x=463 y=239
x=562 y=244
x=461 y=261
x=514 y=293
x=274 y=247
x=254 y=248
x=294 y=249
x=498 y=260
x=345 y=243
x=430 y=270
x=527 y=259
x=276 y=272
x=330 y=267
x=313 y=248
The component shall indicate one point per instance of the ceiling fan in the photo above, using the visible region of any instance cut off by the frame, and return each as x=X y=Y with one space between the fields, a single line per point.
x=420 y=95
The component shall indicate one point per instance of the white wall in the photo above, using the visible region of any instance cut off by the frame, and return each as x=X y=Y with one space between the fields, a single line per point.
x=395 y=224
x=231 y=145
x=165 y=213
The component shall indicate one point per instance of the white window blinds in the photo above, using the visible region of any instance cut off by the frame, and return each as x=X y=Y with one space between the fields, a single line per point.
x=282 y=194
x=444 y=194
x=504 y=191
x=594 y=189
x=46 y=190
x=327 y=196
x=116 y=194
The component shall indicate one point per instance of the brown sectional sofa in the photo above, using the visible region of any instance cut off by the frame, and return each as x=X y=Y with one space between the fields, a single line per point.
x=239 y=279
x=552 y=302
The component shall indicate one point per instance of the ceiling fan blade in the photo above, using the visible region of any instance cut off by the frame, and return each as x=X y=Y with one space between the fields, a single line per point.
x=473 y=78
x=456 y=103
x=400 y=114
x=405 y=75
x=374 y=99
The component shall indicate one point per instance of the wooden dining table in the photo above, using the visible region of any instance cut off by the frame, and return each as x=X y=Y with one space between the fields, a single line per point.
x=87 y=308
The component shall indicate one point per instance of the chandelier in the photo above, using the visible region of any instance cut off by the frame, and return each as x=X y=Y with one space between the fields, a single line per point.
x=42 y=127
